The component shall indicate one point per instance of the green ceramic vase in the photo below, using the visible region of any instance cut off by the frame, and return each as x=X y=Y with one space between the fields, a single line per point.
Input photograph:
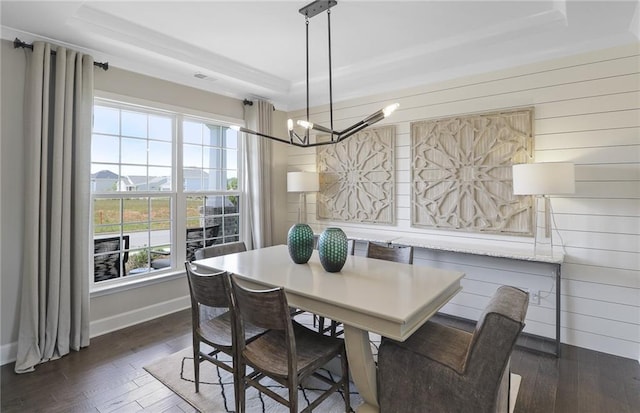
x=332 y=248
x=300 y=243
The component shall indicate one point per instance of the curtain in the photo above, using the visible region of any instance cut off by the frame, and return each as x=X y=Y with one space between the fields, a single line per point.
x=257 y=176
x=54 y=310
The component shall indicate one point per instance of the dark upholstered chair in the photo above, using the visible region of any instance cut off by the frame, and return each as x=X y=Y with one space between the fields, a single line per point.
x=443 y=369
x=390 y=253
x=288 y=353
x=220 y=249
x=211 y=290
x=110 y=257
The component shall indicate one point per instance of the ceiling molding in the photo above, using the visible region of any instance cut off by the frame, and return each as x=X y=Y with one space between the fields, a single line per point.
x=247 y=50
x=163 y=48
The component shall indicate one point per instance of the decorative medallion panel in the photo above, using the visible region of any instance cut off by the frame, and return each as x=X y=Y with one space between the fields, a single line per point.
x=357 y=178
x=461 y=172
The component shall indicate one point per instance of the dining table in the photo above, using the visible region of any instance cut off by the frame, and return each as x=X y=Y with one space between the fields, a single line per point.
x=368 y=295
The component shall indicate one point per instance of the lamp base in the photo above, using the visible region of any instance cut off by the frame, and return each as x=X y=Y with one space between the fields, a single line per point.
x=302 y=208
x=543 y=243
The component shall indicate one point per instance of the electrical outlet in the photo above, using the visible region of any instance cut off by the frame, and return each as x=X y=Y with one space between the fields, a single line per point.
x=534 y=298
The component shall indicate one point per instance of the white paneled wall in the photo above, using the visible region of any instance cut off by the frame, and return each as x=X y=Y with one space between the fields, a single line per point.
x=587 y=111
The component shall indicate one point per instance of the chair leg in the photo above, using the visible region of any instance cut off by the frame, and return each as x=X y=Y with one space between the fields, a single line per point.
x=293 y=395
x=196 y=363
x=509 y=391
x=345 y=377
x=334 y=328
x=236 y=383
x=321 y=324
x=240 y=393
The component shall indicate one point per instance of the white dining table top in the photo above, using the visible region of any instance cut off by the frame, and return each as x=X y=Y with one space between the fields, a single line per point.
x=384 y=297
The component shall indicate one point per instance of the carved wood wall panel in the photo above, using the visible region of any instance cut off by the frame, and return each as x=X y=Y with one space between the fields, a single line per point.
x=357 y=178
x=461 y=172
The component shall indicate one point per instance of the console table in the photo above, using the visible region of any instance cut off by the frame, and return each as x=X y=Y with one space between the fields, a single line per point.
x=503 y=251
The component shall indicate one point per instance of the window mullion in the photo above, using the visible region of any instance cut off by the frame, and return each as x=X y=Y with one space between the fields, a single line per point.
x=180 y=207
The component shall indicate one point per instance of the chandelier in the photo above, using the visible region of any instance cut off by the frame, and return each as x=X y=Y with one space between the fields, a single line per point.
x=302 y=140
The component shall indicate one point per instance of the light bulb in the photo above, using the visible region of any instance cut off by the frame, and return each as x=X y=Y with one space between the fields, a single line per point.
x=305 y=124
x=390 y=109
x=290 y=124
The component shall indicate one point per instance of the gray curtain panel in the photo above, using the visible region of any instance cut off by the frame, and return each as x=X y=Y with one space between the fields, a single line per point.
x=257 y=175
x=54 y=312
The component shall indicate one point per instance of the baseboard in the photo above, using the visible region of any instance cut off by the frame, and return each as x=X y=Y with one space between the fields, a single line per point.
x=137 y=316
x=8 y=353
x=106 y=325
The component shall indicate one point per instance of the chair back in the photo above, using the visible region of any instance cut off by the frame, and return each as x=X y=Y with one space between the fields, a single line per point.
x=266 y=309
x=196 y=239
x=220 y=249
x=351 y=246
x=495 y=337
x=400 y=254
x=111 y=255
x=207 y=288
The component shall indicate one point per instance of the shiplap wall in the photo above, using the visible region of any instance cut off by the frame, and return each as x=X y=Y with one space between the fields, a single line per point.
x=587 y=111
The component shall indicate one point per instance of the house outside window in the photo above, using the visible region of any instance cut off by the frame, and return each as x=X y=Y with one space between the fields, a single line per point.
x=163 y=184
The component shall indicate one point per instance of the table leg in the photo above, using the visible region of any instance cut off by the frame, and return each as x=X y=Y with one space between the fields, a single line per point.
x=362 y=366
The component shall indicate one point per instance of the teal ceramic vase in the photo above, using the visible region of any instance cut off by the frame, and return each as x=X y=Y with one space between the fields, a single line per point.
x=300 y=243
x=332 y=248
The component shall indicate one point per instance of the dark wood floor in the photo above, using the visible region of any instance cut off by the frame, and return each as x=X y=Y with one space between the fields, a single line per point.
x=108 y=376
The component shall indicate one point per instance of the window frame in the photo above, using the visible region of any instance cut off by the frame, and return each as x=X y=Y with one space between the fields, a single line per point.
x=178 y=195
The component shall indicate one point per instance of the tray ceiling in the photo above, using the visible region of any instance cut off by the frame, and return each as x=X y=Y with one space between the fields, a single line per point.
x=249 y=49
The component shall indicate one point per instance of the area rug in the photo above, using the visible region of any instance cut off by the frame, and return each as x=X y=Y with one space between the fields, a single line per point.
x=216 y=388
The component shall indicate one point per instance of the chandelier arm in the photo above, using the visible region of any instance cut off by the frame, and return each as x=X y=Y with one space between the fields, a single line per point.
x=373 y=118
x=352 y=130
x=304 y=144
x=321 y=128
x=293 y=134
x=263 y=135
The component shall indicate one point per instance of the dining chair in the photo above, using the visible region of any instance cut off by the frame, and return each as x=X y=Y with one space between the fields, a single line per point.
x=111 y=255
x=211 y=290
x=228 y=248
x=288 y=353
x=403 y=254
x=444 y=369
x=220 y=249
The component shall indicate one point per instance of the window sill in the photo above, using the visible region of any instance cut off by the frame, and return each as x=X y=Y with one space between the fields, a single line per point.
x=135 y=282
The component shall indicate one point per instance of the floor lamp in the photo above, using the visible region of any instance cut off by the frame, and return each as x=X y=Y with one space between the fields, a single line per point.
x=302 y=182
x=541 y=180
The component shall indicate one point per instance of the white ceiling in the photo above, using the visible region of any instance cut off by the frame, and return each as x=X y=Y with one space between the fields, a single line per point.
x=251 y=49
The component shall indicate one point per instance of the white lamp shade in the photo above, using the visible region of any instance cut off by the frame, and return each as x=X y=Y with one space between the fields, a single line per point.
x=302 y=182
x=544 y=178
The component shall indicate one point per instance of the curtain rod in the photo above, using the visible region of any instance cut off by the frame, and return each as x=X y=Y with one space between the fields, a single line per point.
x=248 y=102
x=19 y=43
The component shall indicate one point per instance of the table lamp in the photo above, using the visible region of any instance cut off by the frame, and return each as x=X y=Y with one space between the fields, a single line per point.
x=302 y=182
x=541 y=180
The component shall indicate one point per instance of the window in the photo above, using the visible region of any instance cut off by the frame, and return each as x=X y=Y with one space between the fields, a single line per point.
x=163 y=184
